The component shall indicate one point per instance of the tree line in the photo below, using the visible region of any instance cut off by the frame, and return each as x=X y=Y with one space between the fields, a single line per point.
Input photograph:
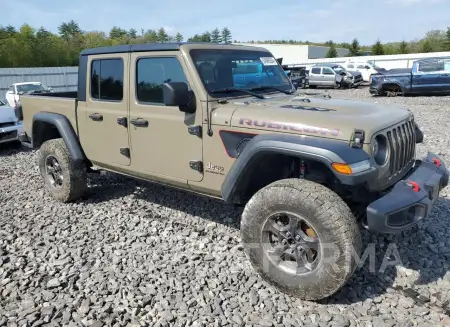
x=31 y=47
x=433 y=41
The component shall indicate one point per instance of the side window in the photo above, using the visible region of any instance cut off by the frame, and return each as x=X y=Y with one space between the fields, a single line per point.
x=107 y=79
x=151 y=73
x=327 y=71
x=315 y=71
x=350 y=66
x=361 y=66
x=447 y=65
x=431 y=66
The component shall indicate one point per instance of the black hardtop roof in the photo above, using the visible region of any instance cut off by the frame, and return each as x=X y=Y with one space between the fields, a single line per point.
x=162 y=46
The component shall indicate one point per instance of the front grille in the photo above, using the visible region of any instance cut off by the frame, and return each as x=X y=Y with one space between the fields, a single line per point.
x=402 y=144
x=8 y=124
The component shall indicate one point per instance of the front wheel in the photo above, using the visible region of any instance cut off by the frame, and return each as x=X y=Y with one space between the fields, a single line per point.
x=301 y=238
x=64 y=179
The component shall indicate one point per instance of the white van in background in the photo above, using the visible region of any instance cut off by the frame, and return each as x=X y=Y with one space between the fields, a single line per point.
x=364 y=67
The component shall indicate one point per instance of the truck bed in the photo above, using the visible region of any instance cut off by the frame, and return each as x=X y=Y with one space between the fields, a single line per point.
x=57 y=102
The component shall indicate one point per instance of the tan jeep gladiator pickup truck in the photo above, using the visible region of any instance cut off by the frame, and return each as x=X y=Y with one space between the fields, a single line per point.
x=308 y=170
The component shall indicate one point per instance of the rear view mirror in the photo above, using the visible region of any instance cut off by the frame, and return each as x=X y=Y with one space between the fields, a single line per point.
x=178 y=94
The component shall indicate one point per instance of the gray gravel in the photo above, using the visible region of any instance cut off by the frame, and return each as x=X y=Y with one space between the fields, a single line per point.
x=136 y=254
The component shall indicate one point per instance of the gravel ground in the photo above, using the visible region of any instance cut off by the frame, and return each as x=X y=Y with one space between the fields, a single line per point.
x=143 y=255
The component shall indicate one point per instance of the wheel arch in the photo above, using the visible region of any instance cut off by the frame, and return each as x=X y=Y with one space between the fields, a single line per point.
x=47 y=126
x=320 y=150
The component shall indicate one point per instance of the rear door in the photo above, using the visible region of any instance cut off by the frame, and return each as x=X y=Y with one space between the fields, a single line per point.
x=103 y=132
x=328 y=76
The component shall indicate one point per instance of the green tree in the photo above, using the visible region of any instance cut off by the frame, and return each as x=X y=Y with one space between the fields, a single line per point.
x=378 y=49
x=215 y=36
x=179 y=37
x=226 y=35
x=162 y=35
x=426 y=46
x=355 y=49
x=117 y=33
x=403 y=47
x=69 y=30
x=132 y=33
x=447 y=40
x=331 y=53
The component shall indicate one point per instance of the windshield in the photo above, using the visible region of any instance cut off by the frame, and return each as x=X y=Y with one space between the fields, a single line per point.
x=25 y=88
x=338 y=69
x=240 y=69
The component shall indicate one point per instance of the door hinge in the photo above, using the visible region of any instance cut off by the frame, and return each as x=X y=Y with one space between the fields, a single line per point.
x=195 y=130
x=196 y=165
x=125 y=152
x=122 y=121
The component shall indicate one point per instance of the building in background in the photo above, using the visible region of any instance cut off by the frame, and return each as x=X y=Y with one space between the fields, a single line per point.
x=296 y=53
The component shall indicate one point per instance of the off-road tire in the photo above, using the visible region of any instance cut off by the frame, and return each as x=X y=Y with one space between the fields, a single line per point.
x=74 y=184
x=330 y=217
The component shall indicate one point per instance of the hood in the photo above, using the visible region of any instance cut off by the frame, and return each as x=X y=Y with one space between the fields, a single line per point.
x=7 y=114
x=354 y=73
x=329 y=118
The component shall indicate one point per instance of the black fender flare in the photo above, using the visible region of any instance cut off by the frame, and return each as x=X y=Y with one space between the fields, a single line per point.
x=66 y=131
x=326 y=151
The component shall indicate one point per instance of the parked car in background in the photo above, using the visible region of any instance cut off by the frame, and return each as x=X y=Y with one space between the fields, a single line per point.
x=9 y=124
x=364 y=67
x=16 y=89
x=333 y=75
x=426 y=77
x=253 y=73
x=298 y=76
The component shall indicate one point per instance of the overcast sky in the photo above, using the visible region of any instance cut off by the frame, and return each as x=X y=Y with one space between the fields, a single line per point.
x=318 y=20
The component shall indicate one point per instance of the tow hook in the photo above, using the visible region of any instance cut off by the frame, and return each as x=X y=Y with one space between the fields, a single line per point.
x=437 y=162
x=414 y=186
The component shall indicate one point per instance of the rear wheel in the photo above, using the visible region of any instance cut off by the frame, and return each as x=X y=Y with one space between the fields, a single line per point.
x=64 y=179
x=300 y=237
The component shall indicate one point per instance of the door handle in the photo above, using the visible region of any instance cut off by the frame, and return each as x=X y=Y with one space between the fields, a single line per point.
x=96 y=117
x=139 y=122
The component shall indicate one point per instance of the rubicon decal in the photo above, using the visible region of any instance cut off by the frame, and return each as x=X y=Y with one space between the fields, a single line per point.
x=289 y=127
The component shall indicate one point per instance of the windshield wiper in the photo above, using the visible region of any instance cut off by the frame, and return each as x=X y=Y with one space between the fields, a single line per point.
x=272 y=87
x=233 y=89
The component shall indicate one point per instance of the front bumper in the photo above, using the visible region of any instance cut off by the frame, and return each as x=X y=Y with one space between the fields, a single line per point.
x=411 y=199
x=9 y=134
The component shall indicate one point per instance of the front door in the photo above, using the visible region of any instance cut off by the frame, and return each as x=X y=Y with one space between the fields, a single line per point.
x=160 y=140
x=104 y=134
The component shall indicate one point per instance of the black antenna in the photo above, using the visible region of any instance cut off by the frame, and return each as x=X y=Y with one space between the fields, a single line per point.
x=208 y=113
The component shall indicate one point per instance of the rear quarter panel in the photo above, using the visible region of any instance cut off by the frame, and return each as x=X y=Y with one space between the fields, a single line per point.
x=32 y=104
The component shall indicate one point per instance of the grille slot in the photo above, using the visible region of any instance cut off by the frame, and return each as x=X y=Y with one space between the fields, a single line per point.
x=402 y=143
x=8 y=124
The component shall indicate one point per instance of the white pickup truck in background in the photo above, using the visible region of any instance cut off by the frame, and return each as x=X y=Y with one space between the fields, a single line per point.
x=16 y=89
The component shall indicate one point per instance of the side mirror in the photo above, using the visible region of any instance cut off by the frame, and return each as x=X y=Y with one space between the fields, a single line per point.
x=21 y=93
x=178 y=94
x=367 y=67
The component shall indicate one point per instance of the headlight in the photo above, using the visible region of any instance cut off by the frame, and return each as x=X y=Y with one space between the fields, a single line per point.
x=380 y=149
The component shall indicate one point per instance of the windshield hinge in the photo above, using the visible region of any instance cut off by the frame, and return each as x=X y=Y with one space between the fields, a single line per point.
x=195 y=130
x=358 y=138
